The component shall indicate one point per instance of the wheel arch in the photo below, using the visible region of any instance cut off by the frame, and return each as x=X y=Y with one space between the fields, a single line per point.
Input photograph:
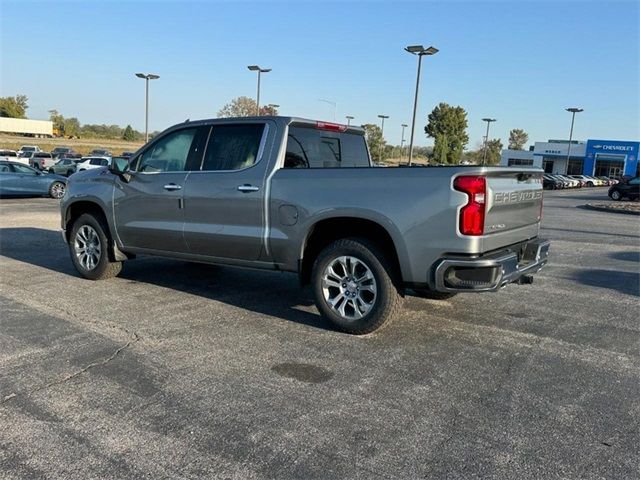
x=327 y=230
x=74 y=210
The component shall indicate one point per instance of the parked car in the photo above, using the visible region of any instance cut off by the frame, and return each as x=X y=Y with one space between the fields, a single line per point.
x=28 y=148
x=549 y=182
x=12 y=156
x=88 y=163
x=271 y=193
x=41 y=160
x=21 y=180
x=597 y=181
x=59 y=151
x=629 y=189
x=25 y=157
x=64 y=166
x=589 y=182
x=573 y=182
x=565 y=183
x=99 y=152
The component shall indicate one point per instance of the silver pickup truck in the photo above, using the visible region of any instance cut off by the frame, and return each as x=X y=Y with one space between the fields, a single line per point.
x=302 y=196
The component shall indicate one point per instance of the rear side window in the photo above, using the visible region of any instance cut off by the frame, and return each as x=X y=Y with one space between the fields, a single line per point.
x=314 y=148
x=95 y=161
x=233 y=147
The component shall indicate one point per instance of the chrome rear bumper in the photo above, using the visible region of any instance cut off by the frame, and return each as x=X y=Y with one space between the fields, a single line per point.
x=492 y=272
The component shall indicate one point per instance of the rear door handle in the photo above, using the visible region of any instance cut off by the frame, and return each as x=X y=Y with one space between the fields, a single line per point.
x=246 y=188
x=172 y=186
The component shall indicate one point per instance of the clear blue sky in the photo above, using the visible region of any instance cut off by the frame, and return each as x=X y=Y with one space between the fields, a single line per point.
x=519 y=62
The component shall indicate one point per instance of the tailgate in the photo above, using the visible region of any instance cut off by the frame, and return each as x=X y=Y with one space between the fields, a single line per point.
x=514 y=200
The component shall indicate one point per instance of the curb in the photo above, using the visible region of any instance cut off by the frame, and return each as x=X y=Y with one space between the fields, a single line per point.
x=609 y=210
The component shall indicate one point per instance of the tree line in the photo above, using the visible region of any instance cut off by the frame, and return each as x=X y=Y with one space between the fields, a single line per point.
x=16 y=107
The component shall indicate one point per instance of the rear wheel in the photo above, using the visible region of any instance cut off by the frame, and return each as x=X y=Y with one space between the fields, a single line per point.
x=355 y=286
x=57 y=189
x=88 y=245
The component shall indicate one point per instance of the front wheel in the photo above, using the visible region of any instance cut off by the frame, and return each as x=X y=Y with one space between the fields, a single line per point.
x=57 y=189
x=355 y=286
x=616 y=195
x=88 y=245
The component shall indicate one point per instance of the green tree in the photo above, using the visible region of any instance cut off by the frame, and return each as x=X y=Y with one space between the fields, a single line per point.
x=58 y=121
x=517 y=139
x=448 y=126
x=377 y=144
x=494 y=148
x=14 y=107
x=129 y=135
x=239 y=107
x=72 y=127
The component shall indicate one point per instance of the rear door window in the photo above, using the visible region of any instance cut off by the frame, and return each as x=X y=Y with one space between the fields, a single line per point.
x=233 y=147
x=315 y=148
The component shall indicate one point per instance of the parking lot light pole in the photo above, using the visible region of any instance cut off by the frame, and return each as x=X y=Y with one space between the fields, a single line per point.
x=147 y=77
x=349 y=118
x=486 y=138
x=404 y=125
x=256 y=68
x=331 y=102
x=418 y=50
x=382 y=134
x=573 y=111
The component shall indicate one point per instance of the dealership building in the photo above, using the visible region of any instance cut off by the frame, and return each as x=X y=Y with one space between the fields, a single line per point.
x=610 y=158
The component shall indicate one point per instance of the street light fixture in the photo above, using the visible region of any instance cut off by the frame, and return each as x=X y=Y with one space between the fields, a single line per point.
x=146 y=77
x=331 y=102
x=573 y=111
x=420 y=51
x=349 y=118
x=404 y=125
x=486 y=137
x=382 y=134
x=256 y=68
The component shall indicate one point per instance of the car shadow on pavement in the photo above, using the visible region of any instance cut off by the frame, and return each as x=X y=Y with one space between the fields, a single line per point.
x=269 y=293
x=622 y=282
x=626 y=256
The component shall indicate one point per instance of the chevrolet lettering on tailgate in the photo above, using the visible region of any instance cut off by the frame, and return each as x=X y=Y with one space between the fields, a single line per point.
x=517 y=197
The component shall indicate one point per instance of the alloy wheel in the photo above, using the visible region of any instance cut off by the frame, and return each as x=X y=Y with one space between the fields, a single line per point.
x=87 y=247
x=349 y=287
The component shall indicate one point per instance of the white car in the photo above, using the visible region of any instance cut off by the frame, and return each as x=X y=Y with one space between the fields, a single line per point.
x=28 y=148
x=87 y=163
x=12 y=156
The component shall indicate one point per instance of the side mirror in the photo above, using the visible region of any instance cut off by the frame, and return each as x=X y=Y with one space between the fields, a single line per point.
x=120 y=167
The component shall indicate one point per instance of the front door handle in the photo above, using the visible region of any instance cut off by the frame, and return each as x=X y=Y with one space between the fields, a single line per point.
x=246 y=188
x=172 y=186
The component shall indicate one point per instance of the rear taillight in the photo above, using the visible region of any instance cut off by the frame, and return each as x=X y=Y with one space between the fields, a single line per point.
x=472 y=214
x=332 y=127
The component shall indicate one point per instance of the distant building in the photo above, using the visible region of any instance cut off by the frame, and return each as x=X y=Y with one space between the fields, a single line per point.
x=610 y=158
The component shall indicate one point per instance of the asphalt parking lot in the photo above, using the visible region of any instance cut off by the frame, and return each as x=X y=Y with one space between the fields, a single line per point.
x=176 y=370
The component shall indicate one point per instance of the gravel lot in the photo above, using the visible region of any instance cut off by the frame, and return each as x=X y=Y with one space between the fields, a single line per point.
x=175 y=370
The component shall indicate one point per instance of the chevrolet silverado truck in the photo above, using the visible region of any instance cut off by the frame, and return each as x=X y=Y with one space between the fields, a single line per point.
x=296 y=195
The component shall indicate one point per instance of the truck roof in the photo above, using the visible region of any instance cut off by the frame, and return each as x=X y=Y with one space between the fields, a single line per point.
x=282 y=120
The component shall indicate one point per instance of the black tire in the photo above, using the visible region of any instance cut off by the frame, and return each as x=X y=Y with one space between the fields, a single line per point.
x=386 y=301
x=426 y=293
x=616 y=195
x=69 y=173
x=57 y=189
x=104 y=268
x=589 y=184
